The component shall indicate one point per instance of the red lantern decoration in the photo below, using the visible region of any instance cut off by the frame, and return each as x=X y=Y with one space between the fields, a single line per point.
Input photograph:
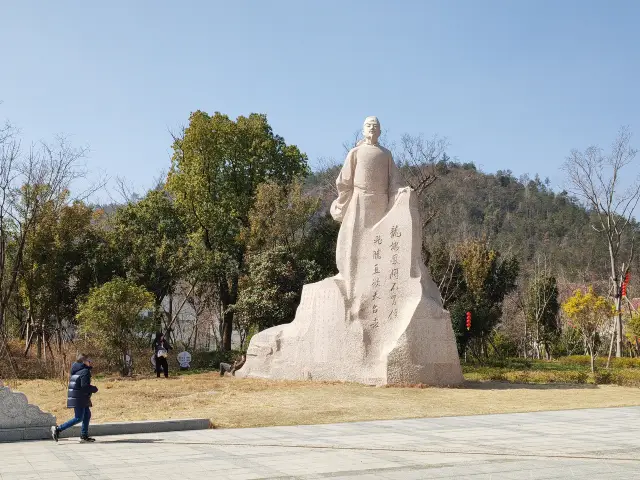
x=627 y=278
x=468 y=320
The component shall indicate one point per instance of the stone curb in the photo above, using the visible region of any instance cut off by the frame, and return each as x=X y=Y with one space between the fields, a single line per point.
x=150 y=426
x=22 y=434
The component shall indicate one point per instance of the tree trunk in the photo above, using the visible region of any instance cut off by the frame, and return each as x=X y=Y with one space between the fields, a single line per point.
x=590 y=344
x=169 y=313
x=59 y=333
x=472 y=348
x=227 y=330
x=48 y=344
x=29 y=341
x=24 y=324
x=495 y=349
x=44 y=343
x=226 y=298
x=613 y=339
x=123 y=363
x=485 y=347
x=24 y=330
x=195 y=336
x=39 y=344
x=27 y=336
x=619 y=327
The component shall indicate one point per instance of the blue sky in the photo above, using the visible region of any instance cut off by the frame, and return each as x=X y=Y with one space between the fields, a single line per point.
x=513 y=84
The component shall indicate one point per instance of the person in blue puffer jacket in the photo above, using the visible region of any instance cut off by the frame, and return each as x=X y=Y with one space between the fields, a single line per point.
x=79 y=398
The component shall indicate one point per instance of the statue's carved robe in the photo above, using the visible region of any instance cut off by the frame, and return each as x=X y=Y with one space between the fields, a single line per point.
x=367 y=187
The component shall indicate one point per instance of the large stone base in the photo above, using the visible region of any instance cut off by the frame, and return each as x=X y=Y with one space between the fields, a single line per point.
x=321 y=344
x=21 y=421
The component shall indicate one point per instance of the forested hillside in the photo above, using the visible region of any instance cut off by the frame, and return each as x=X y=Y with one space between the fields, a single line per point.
x=521 y=217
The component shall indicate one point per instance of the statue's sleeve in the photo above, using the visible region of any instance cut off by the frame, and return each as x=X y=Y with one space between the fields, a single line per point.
x=396 y=181
x=344 y=183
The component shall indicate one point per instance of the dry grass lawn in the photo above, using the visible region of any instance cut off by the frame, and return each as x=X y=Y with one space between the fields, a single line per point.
x=233 y=402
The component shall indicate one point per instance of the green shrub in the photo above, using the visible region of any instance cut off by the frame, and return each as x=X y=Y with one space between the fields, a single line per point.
x=601 y=362
x=582 y=360
x=623 y=362
x=575 y=374
x=624 y=377
x=505 y=346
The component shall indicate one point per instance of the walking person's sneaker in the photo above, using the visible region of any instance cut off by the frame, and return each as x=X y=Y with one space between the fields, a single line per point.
x=55 y=433
x=87 y=439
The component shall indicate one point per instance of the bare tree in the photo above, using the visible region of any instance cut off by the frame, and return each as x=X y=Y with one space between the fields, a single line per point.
x=419 y=156
x=449 y=279
x=29 y=181
x=353 y=142
x=194 y=320
x=327 y=170
x=539 y=303
x=597 y=179
x=126 y=190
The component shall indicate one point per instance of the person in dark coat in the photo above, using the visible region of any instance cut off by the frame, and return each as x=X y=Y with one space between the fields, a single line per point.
x=79 y=398
x=161 y=349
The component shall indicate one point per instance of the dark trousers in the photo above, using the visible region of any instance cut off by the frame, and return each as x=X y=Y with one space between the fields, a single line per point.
x=162 y=364
x=82 y=414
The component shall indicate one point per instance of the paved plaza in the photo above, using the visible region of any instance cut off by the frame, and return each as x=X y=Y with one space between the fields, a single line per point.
x=581 y=444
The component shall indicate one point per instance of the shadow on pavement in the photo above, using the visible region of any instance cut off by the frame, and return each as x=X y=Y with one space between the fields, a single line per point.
x=132 y=440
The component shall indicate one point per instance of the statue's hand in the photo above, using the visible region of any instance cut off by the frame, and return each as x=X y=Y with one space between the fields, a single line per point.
x=336 y=212
x=401 y=191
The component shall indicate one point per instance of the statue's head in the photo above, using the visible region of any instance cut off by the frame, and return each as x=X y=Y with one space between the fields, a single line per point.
x=371 y=129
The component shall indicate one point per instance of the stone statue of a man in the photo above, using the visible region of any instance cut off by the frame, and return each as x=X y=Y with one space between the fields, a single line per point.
x=370 y=174
x=380 y=320
x=367 y=187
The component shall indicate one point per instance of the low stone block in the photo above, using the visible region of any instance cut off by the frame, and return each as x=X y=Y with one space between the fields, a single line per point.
x=11 y=434
x=21 y=421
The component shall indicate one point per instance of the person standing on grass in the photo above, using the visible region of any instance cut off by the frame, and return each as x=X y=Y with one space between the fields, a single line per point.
x=79 y=398
x=161 y=349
